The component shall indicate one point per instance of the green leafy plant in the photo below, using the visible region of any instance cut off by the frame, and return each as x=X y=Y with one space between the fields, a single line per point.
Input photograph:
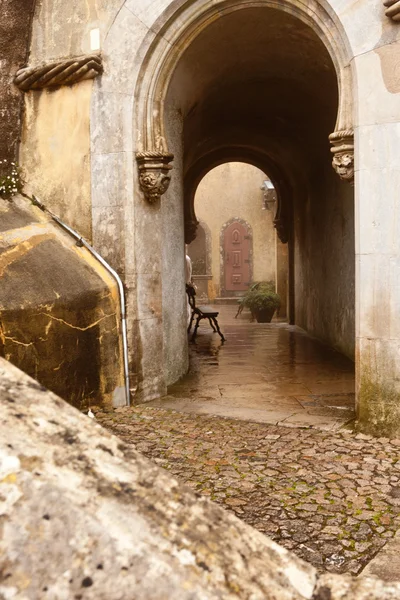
x=261 y=296
x=11 y=181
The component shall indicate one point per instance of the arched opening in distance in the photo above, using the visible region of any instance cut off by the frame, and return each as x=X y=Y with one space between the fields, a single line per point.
x=236 y=203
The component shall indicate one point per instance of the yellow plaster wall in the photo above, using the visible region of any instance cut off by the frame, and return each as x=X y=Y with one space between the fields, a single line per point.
x=234 y=190
x=55 y=152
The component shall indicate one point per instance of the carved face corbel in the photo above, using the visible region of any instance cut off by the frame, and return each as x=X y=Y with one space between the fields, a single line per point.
x=281 y=227
x=392 y=9
x=343 y=154
x=154 y=173
x=190 y=230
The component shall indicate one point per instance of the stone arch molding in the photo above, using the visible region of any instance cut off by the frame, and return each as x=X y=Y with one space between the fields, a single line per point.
x=257 y=159
x=177 y=28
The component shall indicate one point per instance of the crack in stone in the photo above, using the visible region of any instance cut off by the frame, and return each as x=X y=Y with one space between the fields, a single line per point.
x=76 y=326
x=11 y=339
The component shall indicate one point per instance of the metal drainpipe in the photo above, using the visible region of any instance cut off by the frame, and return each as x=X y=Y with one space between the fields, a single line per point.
x=82 y=242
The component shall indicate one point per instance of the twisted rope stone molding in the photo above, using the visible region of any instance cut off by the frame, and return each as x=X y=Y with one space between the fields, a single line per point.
x=393 y=9
x=154 y=173
x=60 y=72
x=343 y=154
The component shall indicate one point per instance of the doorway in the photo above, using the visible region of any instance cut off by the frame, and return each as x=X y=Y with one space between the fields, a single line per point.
x=236 y=258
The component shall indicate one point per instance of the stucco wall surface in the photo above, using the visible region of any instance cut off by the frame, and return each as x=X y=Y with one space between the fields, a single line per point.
x=55 y=152
x=60 y=314
x=325 y=261
x=233 y=190
x=84 y=515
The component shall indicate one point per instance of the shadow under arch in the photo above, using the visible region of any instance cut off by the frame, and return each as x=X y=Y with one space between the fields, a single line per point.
x=180 y=24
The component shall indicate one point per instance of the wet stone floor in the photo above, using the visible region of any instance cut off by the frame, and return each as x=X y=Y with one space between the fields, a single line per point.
x=271 y=373
x=318 y=488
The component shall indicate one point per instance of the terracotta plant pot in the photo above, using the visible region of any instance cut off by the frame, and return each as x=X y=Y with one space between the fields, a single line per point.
x=264 y=315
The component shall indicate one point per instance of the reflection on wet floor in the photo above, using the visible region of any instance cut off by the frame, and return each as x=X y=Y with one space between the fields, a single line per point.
x=272 y=373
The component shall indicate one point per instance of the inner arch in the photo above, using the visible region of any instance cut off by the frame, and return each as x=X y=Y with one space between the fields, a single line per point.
x=258 y=85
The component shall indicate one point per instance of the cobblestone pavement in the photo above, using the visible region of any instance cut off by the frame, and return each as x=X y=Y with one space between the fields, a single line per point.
x=331 y=497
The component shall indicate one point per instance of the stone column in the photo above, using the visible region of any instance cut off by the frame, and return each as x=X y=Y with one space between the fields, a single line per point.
x=377 y=187
x=282 y=262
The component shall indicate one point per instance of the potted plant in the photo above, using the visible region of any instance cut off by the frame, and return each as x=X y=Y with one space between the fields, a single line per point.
x=262 y=300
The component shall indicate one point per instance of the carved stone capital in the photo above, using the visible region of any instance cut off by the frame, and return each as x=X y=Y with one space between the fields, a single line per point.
x=154 y=173
x=281 y=229
x=61 y=72
x=392 y=9
x=343 y=154
x=190 y=230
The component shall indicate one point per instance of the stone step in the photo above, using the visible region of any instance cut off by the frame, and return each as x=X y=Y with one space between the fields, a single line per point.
x=233 y=300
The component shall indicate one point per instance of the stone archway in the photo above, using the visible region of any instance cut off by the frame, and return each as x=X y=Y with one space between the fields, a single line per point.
x=284 y=185
x=175 y=35
x=182 y=109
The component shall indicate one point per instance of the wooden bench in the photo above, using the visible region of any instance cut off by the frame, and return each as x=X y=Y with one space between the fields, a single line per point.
x=202 y=312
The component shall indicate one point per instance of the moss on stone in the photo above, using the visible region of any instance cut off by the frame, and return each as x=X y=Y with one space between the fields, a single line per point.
x=378 y=401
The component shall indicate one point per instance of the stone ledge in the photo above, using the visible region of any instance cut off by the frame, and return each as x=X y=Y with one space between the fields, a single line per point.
x=85 y=515
x=386 y=564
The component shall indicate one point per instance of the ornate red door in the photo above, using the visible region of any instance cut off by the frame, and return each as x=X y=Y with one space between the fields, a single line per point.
x=236 y=258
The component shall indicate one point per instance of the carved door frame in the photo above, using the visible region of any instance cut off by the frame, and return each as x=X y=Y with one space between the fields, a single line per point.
x=223 y=292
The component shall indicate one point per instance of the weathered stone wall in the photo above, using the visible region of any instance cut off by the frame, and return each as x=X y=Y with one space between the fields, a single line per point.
x=84 y=515
x=15 y=32
x=325 y=260
x=377 y=235
x=233 y=190
x=55 y=152
x=60 y=315
x=173 y=263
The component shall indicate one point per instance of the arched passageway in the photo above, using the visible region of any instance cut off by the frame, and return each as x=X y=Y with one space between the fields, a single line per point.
x=257 y=84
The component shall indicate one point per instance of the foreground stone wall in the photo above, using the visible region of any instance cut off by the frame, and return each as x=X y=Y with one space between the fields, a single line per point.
x=85 y=516
x=60 y=314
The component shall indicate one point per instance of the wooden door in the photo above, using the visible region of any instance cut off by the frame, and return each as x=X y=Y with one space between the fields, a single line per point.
x=236 y=258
